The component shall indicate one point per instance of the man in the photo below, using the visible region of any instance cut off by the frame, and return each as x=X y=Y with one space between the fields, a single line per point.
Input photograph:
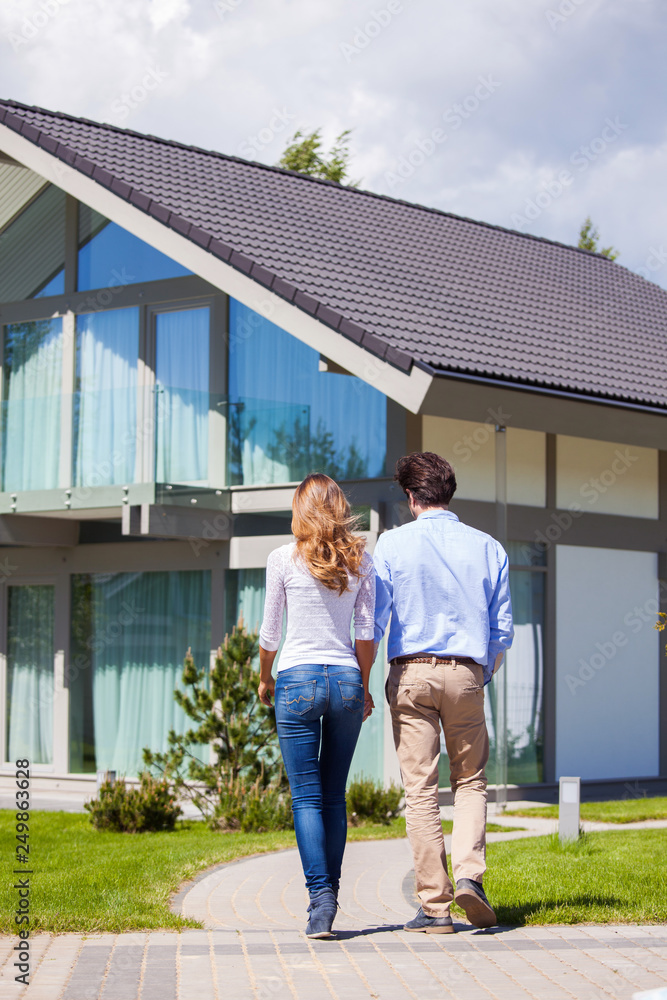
x=446 y=587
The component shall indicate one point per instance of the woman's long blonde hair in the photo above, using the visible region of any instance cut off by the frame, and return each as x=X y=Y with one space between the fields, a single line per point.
x=322 y=525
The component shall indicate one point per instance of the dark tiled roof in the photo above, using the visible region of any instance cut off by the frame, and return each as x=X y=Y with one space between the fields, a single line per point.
x=411 y=284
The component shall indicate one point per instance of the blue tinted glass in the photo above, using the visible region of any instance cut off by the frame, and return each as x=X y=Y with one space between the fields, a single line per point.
x=56 y=286
x=287 y=418
x=116 y=257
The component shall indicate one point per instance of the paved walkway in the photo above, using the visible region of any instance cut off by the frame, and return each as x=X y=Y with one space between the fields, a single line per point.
x=253 y=947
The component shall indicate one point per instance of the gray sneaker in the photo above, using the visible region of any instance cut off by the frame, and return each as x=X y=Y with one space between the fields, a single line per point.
x=431 y=925
x=471 y=898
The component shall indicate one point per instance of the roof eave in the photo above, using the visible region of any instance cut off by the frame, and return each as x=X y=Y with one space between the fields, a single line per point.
x=542 y=390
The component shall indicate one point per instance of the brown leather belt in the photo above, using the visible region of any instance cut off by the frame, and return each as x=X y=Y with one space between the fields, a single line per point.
x=433 y=659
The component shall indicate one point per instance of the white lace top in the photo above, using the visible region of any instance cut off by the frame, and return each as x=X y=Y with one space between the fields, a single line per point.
x=318 y=619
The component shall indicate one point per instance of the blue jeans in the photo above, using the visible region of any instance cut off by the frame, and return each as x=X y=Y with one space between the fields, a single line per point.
x=319 y=710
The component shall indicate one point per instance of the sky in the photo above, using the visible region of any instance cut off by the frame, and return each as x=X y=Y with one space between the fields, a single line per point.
x=529 y=114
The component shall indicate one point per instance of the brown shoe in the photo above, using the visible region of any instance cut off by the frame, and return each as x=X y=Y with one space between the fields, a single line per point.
x=471 y=898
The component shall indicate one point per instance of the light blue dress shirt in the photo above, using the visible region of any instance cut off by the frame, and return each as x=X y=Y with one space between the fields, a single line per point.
x=446 y=587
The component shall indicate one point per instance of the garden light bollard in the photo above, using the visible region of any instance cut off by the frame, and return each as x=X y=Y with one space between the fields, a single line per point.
x=103 y=776
x=568 y=808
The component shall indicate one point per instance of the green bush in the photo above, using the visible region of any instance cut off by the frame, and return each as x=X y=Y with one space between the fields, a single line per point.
x=253 y=807
x=369 y=801
x=134 y=810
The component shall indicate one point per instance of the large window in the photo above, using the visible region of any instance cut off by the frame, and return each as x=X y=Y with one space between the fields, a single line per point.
x=105 y=401
x=110 y=256
x=130 y=634
x=32 y=373
x=287 y=417
x=30 y=673
x=524 y=672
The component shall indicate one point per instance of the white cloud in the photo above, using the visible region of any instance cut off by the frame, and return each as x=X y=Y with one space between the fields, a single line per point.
x=227 y=67
x=163 y=12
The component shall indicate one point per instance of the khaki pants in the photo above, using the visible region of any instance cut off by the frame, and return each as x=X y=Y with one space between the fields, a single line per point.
x=421 y=696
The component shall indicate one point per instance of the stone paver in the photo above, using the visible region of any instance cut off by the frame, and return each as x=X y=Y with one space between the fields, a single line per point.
x=252 y=947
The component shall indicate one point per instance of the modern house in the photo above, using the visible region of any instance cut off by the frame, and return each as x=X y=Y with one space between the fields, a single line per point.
x=185 y=335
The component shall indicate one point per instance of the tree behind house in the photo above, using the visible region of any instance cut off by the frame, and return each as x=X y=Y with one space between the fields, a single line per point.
x=304 y=155
x=588 y=240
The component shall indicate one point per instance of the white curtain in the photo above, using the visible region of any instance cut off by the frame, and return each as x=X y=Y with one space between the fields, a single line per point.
x=182 y=339
x=105 y=405
x=142 y=626
x=30 y=673
x=250 y=597
x=31 y=407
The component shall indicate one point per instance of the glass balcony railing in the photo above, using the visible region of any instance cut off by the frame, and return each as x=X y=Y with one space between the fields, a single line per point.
x=30 y=442
x=281 y=442
x=177 y=435
x=267 y=442
x=110 y=436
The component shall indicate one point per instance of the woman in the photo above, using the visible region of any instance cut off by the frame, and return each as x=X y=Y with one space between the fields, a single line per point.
x=321 y=692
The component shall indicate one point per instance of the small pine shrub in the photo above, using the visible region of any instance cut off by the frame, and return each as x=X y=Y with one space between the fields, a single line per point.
x=242 y=785
x=150 y=807
x=253 y=807
x=369 y=801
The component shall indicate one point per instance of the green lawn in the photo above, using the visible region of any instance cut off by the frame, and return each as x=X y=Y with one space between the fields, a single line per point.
x=617 y=876
x=85 y=880
x=620 y=811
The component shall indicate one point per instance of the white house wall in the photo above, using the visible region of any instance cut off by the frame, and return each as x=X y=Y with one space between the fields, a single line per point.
x=607 y=477
x=607 y=663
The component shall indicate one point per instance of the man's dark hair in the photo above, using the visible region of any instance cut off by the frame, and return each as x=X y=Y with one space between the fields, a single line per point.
x=429 y=478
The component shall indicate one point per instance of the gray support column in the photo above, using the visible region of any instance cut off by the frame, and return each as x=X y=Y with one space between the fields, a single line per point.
x=549 y=683
x=662 y=573
x=414 y=432
x=3 y=672
x=217 y=419
x=61 y=687
x=551 y=471
x=396 y=435
x=217 y=608
x=145 y=450
x=71 y=244
x=65 y=467
x=501 y=682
